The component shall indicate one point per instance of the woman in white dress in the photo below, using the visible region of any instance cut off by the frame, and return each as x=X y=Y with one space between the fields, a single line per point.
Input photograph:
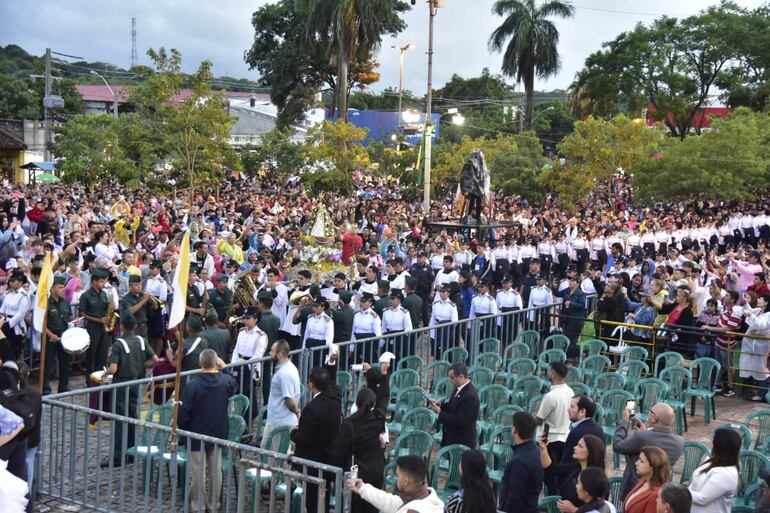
x=753 y=361
x=715 y=483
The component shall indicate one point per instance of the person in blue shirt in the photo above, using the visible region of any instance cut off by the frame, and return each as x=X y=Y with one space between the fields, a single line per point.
x=468 y=282
x=574 y=308
x=523 y=477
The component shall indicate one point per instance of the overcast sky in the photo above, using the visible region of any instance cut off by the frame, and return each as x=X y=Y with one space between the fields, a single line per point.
x=221 y=30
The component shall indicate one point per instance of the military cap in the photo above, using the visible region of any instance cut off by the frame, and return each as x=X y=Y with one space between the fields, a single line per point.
x=383 y=284
x=60 y=280
x=134 y=278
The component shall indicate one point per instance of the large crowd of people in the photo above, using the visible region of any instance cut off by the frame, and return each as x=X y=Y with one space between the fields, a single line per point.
x=275 y=269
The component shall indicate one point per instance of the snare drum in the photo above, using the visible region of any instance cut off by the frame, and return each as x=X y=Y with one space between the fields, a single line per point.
x=97 y=377
x=75 y=340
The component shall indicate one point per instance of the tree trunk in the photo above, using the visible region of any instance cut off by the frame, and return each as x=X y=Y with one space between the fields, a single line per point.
x=342 y=86
x=529 y=106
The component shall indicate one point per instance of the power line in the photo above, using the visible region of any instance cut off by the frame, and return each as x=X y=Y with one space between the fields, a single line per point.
x=635 y=13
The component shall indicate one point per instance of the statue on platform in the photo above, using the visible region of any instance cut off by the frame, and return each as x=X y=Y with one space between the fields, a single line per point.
x=475 y=186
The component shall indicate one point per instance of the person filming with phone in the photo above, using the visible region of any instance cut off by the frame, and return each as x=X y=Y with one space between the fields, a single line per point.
x=631 y=435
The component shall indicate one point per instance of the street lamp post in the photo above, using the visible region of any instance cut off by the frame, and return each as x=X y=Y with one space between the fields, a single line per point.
x=114 y=96
x=433 y=6
x=401 y=50
x=521 y=116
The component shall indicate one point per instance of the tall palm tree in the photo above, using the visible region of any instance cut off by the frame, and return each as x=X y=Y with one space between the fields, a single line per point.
x=352 y=29
x=532 y=49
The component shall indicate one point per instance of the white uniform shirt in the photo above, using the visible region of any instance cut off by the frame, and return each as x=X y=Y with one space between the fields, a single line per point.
x=482 y=304
x=15 y=307
x=367 y=321
x=443 y=277
x=507 y=298
x=396 y=319
x=443 y=311
x=250 y=344
x=319 y=327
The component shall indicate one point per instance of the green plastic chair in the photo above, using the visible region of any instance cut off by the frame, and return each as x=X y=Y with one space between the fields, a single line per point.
x=534 y=403
x=558 y=341
x=491 y=361
x=750 y=463
x=435 y=371
x=517 y=368
x=491 y=397
x=481 y=376
x=345 y=382
x=455 y=355
x=515 y=350
x=447 y=462
x=153 y=443
x=610 y=408
x=412 y=443
x=594 y=366
x=410 y=362
x=762 y=417
x=548 y=356
x=503 y=416
x=236 y=428
x=750 y=495
x=579 y=388
x=532 y=339
x=548 y=504
x=634 y=353
x=605 y=382
x=667 y=359
x=694 y=454
x=442 y=391
x=524 y=389
x=679 y=381
x=742 y=509
x=402 y=379
x=498 y=450
x=238 y=405
x=632 y=371
x=488 y=345
x=649 y=391
x=407 y=400
x=742 y=429
x=616 y=487
x=261 y=419
x=591 y=347
x=417 y=419
x=708 y=371
x=390 y=478
x=278 y=441
x=574 y=374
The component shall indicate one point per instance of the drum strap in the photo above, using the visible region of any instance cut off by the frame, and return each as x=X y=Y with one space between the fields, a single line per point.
x=125 y=344
x=192 y=347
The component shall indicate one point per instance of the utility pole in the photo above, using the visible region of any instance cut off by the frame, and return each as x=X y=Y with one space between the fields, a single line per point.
x=133 y=42
x=46 y=116
x=433 y=6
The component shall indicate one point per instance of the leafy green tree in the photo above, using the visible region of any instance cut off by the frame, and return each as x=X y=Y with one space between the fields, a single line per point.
x=352 y=31
x=276 y=155
x=89 y=150
x=533 y=40
x=729 y=162
x=598 y=148
x=195 y=129
x=389 y=161
x=16 y=100
x=671 y=66
x=334 y=153
x=553 y=121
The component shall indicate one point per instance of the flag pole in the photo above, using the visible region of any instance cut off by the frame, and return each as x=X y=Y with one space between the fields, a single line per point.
x=43 y=344
x=177 y=382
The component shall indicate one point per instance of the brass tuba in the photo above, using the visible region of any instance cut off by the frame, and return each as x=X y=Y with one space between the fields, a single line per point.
x=244 y=290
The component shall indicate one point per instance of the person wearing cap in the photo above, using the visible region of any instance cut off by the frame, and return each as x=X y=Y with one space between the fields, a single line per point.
x=93 y=307
x=483 y=305
x=366 y=325
x=194 y=344
x=575 y=308
x=448 y=274
x=396 y=319
x=57 y=322
x=501 y=264
x=156 y=319
x=399 y=279
x=343 y=323
x=508 y=299
x=437 y=258
x=527 y=253
x=15 y=306
x=444 y=311
x=319 y=332
x=539 y=296
x=530 y=279
x=382 y=302
x=423 y=276
x=290 y=331
x=194 y=307
x=216 y=336
x=136 y=302
x=250 y=343
x=129 y=357
x=278 y=292
x=220 y=299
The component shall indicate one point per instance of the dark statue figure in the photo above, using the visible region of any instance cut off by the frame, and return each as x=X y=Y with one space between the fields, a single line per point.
x=474 y=185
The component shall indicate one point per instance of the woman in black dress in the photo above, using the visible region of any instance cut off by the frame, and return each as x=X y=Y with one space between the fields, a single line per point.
x=589 y=452
x=359 y=443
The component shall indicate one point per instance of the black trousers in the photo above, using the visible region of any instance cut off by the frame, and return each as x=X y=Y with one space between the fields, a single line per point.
x=54 y=352
x=474 y=205
x=317 y=356
x=126 y=404
x=445 y=338
x=11 y=348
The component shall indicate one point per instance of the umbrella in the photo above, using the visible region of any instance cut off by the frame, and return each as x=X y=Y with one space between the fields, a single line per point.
x=47 y=178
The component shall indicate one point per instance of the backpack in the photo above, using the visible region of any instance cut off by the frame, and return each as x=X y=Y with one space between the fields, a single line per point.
x=13 y=398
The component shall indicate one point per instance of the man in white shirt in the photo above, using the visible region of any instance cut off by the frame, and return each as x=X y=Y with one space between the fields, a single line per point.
x=554 y=411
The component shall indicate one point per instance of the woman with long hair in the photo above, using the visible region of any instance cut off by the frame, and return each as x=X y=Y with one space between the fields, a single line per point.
x=593 y=488
x=359 y=443
x=681 y=313
x=754 y=351
x=654 y=471
x=588 y=453
x=715 y=483
x=476 y=494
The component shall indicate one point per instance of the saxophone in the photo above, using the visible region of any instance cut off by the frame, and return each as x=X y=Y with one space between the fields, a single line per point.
x=111 y=315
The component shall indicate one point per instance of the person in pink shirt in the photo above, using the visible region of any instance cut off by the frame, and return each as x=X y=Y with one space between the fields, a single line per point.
x=747 y=270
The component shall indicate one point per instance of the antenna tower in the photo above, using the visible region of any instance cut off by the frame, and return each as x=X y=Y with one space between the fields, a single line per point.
x=133 y=42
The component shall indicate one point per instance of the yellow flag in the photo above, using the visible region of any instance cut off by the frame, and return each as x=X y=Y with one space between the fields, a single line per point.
x=181 y=277
x=43 y=292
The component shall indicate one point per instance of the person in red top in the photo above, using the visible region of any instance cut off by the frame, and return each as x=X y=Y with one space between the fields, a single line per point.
x=351 y=243
x=729 y=321
x=759 y=287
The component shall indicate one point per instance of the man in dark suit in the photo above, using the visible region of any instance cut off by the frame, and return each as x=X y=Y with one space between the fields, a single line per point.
x=319 y=423
x=581 y=413
x=660 y=434
x=458 y=415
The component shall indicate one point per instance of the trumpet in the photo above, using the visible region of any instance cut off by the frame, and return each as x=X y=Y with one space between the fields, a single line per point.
x=155 y=303
x=234 y=319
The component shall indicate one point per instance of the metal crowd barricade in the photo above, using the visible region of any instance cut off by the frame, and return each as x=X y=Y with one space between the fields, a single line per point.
x=151 y=477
